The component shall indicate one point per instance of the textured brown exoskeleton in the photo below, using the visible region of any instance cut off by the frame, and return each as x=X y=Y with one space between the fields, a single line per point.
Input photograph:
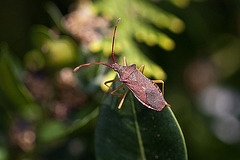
x=144 y=89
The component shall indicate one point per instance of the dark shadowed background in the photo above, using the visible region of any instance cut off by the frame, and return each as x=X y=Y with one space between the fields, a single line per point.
x=193 y=45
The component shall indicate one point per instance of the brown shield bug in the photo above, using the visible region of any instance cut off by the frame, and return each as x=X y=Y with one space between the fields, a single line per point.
x=144 y=89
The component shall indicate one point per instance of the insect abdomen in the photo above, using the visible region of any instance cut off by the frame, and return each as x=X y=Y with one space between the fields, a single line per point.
x=145 y=91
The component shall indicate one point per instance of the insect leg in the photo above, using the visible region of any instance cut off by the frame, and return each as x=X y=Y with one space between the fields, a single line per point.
x=119 y=95
x=141 y=67
x=124 y=61
x=110 y=88
x=160 y=81
x=122 y=100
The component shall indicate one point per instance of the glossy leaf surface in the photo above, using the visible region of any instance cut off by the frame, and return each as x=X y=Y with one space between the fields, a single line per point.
x=136 y=132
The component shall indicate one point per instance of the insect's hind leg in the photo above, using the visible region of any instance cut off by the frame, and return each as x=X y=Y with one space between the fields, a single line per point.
x=160 y=81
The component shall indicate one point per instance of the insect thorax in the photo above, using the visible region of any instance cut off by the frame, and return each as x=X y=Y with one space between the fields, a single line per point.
x=124 y=71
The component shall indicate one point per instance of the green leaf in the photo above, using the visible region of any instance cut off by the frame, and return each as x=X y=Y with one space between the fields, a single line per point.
x=3 y=153
x=55 y=15
x=51 y=131
x=12 y=89
x=144 y=21
x=55 y=130
x=136 y=132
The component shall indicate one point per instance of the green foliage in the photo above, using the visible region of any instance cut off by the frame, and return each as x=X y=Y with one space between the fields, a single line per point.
x=49 y=112
x=51 y=131
x=33 y=91
x=140 y=21
x=50 y=50
x=3 y=153
x=19 y=108
x=14 y=92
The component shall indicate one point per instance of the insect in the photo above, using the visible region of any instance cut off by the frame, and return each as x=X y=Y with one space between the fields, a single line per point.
x=144 y=89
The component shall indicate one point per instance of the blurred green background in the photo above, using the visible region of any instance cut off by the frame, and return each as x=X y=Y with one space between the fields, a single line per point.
x=47 y=112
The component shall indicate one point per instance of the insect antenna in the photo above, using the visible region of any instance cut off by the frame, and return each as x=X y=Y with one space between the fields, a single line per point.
x=88 y=64
x=114 y=39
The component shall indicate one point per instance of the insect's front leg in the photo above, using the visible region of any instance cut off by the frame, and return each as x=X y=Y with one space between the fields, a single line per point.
x=110 y=88
x=141 y=67
x=114 y=91
x=124 y=61
x=119 y=87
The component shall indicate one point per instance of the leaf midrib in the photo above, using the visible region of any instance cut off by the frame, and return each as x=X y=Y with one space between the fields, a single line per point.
x=139 y=138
